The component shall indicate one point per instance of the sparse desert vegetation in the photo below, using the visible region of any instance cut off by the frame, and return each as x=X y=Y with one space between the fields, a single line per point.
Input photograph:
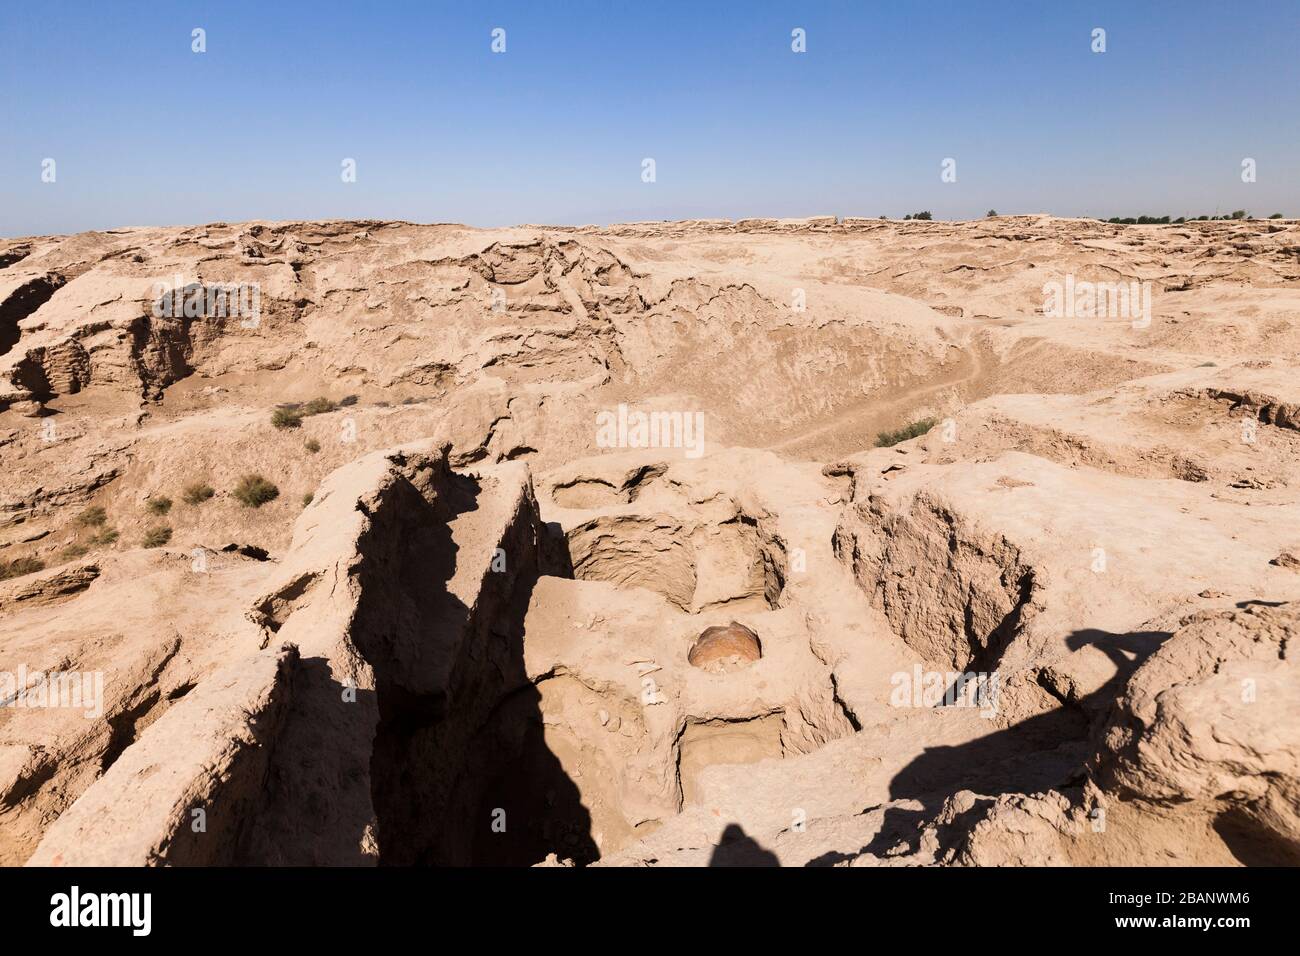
x=90 y=530
x=156 y=536
x=291 y=416
x=197 y=492
x=887 y=439
x=17 y=567
x=318 y=406
x=92 y=517
x=287 y=417
x=253 y=491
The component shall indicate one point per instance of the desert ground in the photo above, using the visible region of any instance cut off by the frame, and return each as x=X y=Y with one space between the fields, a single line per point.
x=385 y=567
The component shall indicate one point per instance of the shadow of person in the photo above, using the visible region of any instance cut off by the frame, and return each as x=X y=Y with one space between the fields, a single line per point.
x=462 y=772
x=737 y=848
x=444 y=761
x=1126 y=651
x=1042 y=752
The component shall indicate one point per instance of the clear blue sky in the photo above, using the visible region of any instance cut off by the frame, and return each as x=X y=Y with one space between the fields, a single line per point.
x=554 y=130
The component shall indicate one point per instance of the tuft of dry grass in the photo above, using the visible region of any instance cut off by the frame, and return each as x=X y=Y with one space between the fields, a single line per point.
x=253 y=491
x=93 y=517
x=157 y=536
x=291 y=416
x=197 y=492
x=319 y=406
x=287 y=416
x=20 y=566
x=889 y=438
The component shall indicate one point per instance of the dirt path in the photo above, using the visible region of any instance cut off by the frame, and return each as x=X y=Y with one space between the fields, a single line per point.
x=855 y=428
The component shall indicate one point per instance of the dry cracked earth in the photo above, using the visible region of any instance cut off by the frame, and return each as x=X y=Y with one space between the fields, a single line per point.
x=360 y=581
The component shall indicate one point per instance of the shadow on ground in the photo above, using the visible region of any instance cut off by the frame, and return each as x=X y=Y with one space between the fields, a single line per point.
x=1044 y=752
x=737 y=848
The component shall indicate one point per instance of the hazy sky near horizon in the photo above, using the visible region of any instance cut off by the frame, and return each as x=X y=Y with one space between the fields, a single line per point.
x=144 y=131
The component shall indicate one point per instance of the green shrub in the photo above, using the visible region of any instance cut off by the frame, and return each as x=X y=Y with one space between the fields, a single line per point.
x=347 y=400
x=105 y=537
x=287 y=416
x=307 y=498
x=197 y=493
x=922 y=215
x=75 y=551
x=312 y=445
x=291 y=416
x=157 y=536
x=1276 y=215
x=92 y=517
x=887 y=439
x=991 y=213
x=318 y=406
x=159 y=506
x=253 y=491
x=20 y=566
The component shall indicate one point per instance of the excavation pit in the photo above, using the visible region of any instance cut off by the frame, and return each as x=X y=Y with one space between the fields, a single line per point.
x=725 y=648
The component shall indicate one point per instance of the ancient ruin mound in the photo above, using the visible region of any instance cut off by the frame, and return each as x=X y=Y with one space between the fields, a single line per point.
x=372 y=543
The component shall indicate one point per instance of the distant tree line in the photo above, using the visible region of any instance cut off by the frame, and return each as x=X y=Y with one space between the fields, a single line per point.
x=1161 y=220
x=1126 y=220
